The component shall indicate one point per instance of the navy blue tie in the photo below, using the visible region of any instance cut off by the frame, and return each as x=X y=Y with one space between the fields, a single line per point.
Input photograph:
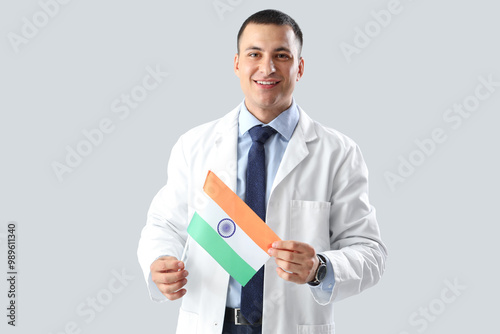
x=255 y=197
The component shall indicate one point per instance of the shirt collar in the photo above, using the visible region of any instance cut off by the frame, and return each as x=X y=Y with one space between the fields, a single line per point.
x=285 y=123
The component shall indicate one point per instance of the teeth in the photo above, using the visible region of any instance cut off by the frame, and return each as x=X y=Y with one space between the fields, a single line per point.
x=266 y=82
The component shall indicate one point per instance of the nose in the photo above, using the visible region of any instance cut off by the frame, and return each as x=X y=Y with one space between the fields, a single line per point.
x=267 y=66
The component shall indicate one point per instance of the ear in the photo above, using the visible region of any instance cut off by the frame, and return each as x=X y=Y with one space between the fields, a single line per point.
x=237 y=65
x=301 y=69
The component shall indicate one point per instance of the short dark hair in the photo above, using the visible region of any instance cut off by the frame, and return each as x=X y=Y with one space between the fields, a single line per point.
x=272 y=16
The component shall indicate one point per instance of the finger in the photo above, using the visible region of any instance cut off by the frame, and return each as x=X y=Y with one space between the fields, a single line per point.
x=167 y=263
x=299 y=277
x=287 y=255
x=292 y=245
x=172 y=288
x=289 y=266
x=290 y=277
x=169 y=278
x=176 y=295
x=298 y=263
x=303 y=270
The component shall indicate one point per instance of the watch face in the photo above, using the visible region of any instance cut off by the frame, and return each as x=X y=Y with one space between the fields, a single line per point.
x=321 y=272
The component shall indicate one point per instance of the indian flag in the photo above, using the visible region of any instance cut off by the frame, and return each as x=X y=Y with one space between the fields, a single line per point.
x=231 y=232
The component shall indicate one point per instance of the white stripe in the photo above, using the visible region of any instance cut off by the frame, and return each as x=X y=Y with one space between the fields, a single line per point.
x=240 y=242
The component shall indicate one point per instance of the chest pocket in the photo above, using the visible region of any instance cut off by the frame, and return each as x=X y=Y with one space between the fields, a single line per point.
x=310 y=223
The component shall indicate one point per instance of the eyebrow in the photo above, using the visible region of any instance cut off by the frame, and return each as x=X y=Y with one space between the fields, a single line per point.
x=282 y=48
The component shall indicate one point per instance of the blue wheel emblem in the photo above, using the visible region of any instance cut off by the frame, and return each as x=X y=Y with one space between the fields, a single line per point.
x=226 y=228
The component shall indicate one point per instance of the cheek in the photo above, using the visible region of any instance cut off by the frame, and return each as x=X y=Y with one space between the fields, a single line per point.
x=295 y=76
x=246 y=70
x=292 y=77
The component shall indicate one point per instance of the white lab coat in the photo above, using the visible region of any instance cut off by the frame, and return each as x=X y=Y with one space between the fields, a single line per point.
x=319 y=196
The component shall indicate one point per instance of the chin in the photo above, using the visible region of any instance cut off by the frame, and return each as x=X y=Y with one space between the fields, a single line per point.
x=269 y=102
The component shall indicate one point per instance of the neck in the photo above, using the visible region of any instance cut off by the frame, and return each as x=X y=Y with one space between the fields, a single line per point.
x=266 y=115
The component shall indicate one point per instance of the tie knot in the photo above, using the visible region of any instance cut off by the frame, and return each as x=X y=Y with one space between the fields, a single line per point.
x=261 y=133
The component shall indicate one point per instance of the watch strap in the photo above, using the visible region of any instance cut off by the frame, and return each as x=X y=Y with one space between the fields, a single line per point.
x=322 y=263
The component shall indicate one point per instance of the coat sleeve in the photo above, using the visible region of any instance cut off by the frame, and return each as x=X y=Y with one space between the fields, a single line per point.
x=166 y=224
x=357 y=253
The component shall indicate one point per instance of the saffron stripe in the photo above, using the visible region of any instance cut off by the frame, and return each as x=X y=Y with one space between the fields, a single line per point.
x=240 y=212
x=210 y=240
x=240 y=242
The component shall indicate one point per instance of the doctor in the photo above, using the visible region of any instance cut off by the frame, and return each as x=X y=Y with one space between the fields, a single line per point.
x=312 y=191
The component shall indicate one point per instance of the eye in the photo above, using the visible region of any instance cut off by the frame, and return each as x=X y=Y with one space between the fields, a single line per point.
x=282 y=56
x=253 y=54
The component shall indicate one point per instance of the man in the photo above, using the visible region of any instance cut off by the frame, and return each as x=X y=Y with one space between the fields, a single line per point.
x=312 y=191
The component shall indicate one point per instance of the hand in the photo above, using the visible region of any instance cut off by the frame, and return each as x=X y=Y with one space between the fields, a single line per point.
x=169 y=275
x=297 y=261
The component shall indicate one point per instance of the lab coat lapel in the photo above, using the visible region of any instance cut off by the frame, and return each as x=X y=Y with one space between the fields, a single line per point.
x=297 y=149
x=224 y=163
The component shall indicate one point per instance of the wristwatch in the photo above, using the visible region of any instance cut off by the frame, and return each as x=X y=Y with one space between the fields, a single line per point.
x=320 y=272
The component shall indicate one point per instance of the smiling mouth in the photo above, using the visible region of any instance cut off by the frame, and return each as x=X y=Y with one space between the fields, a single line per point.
x=266 y=83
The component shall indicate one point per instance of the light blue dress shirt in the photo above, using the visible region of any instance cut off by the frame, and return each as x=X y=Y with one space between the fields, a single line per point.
x=275 y=148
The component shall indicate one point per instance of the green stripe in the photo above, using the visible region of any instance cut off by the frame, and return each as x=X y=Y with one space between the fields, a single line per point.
x=213 y=243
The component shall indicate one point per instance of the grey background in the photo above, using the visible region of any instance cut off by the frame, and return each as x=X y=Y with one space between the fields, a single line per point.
x=439 y=225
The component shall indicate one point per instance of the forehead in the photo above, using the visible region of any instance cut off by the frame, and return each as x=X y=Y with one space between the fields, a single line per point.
x=268 y=36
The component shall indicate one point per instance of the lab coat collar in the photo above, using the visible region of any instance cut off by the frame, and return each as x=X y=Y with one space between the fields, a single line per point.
x=296 y=150
x=226 y=142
